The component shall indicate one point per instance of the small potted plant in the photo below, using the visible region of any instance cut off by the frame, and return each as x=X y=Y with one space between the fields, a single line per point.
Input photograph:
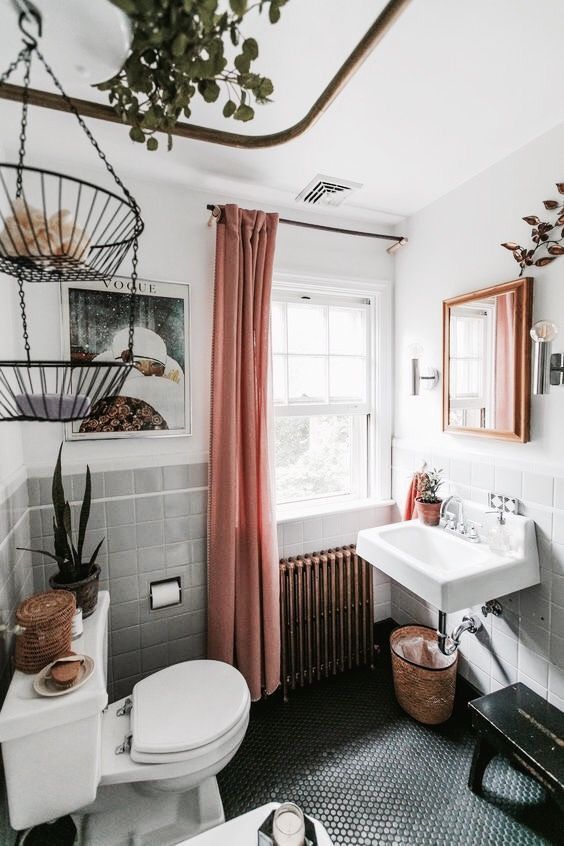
x=76 y=574
x=428 y=503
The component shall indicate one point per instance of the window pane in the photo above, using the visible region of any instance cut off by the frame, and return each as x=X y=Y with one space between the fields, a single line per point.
x=307 y=378
x=469 y=336
x=466 y=376
x=347 y=379
x=278 y=327
x=347 y=331
x=307 y=328
x=279 y=378
x=313 y=457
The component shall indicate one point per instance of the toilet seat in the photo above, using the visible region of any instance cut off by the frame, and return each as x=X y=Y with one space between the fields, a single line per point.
x=216 y=688
x=184 y=708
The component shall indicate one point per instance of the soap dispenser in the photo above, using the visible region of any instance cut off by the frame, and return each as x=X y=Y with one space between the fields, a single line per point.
x=498 y=537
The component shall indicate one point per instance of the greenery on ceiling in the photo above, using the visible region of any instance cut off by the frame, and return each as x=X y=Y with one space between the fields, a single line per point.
x=178 y=51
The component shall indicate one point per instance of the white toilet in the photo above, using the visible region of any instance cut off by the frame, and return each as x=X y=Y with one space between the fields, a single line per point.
x=140 y=772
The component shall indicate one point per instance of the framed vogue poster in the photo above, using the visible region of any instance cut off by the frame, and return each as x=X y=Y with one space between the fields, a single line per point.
x=155 y=398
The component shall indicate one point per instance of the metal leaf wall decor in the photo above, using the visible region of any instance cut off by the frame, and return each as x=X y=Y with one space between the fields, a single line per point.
x=547 y=238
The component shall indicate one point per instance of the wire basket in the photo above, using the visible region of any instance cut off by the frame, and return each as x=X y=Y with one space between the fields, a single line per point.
x=58 y=227
x=57 y=390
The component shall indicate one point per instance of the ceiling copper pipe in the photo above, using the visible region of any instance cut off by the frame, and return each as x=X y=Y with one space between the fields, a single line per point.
x=87 y=108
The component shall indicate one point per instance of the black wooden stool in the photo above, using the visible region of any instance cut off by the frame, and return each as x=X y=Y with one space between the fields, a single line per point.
x=527 y=729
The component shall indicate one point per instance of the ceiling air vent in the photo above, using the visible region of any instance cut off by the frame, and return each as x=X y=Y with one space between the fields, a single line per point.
x=327 y=191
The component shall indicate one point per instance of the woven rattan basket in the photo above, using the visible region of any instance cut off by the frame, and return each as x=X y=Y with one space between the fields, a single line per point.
x=46 y=619
x=425 y=693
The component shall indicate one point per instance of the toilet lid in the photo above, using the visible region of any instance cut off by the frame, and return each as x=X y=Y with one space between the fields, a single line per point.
x=186 y=706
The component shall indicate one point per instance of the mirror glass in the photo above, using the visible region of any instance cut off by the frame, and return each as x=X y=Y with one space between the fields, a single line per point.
x=487 y=361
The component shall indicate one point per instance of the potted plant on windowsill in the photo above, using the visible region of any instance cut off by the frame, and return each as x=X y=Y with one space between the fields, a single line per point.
x=76 y=574
x=428 y=503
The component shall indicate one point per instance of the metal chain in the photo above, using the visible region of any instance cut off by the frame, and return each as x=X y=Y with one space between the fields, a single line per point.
x=134 y=262
x=19 y=187
x=19 y=58
x=23 y=125
x=109 y=167
x=133 y=203
x=24 y=318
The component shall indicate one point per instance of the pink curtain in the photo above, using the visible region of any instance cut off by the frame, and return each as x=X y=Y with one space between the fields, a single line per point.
x=504 y=359
x=243 y=599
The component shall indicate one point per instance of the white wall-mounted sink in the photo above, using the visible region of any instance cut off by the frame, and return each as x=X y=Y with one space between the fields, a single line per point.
x=449 y=572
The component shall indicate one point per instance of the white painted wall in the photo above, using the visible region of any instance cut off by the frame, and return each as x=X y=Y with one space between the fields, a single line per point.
x=177 y=245
x=11 y=346
x=454 y=247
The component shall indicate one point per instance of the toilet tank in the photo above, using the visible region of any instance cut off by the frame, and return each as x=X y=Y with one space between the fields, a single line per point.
x=51 y=747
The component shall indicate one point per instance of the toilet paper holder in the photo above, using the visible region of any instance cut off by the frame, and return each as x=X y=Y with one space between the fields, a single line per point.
x=172 y=587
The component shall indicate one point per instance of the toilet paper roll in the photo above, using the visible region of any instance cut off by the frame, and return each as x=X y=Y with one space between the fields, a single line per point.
x=166 y=592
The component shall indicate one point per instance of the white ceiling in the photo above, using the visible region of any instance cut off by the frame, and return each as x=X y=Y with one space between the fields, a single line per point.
x=453 y=88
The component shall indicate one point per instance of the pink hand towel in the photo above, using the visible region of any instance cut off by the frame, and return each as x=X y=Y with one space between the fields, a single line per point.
x=409 y=511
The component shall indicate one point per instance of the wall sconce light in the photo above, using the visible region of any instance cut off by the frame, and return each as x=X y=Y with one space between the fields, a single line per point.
x=547 y=369
x=422 y=375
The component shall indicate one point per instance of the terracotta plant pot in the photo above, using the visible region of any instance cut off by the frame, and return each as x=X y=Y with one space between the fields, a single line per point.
x=85 y=590
x=429 y=513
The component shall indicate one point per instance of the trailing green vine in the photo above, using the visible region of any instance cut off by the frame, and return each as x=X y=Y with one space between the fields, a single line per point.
x=178 y=51
x=547 y=238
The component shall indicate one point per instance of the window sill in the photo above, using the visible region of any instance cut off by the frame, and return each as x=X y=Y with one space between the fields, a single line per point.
x=303 y=511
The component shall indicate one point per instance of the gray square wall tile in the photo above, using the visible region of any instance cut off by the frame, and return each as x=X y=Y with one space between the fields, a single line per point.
x=177 y=529
x=45 y=485
x=78 y=481
x=148 y=508
x=120 y=513
x=148 y=479
x=177 y=504
x=126 y=640
x=124 y=615
x=176 y=477
x=151 y=558
x=118 y=482
x=178 y=554
x=121 y=538
x=198 y=475
x=124 y=589
x=149 y=534
x=33 y=491
x=199 y=502
x=123 y=563
x=198 y=526
x=154 y=657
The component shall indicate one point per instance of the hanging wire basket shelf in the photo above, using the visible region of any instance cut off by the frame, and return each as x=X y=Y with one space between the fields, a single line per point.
x=57 y=390
x=60 y=227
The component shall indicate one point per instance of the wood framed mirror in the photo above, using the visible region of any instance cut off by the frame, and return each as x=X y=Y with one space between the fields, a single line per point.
x=487 y=361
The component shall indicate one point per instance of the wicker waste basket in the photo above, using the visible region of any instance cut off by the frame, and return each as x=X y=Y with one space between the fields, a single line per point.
x=424 y=678
x=47 y=620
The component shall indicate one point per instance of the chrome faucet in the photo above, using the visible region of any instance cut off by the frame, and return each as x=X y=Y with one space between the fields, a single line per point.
x=462 y=528
x=446 y=510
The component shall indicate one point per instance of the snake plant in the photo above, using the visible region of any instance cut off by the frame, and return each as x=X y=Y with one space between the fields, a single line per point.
x=72 y=567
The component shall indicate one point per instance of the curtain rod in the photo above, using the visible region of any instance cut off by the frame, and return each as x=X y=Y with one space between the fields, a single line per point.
x=399 y=240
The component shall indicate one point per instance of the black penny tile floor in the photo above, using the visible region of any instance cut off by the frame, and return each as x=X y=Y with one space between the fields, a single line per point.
x=344 y=751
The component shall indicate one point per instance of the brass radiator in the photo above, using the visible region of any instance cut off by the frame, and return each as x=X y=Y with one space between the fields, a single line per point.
x=326 y=615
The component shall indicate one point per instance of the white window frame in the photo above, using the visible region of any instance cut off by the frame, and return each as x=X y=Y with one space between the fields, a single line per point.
x=379 y=406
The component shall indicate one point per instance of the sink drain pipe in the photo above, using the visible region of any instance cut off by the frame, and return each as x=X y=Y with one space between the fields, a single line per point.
x=448 y=645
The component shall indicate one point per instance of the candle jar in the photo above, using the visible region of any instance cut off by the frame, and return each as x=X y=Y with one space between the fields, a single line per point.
x=288 y=825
